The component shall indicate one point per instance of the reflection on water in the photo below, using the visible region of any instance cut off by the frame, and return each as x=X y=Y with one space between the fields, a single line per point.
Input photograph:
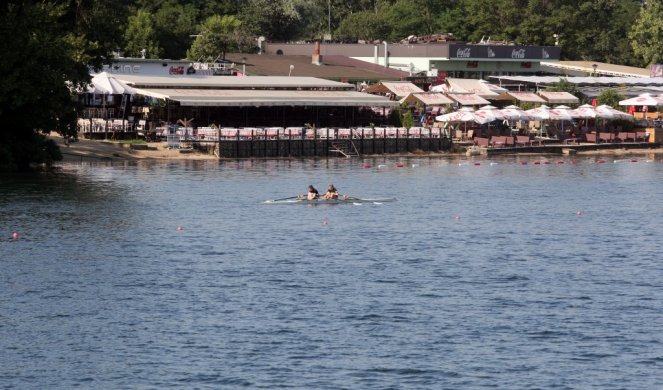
x=500 y=274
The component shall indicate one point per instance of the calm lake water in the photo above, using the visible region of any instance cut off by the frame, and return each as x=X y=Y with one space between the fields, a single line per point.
x=498 y=275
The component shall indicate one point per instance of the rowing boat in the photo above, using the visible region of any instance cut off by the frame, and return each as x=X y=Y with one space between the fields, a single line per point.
x=348 y=200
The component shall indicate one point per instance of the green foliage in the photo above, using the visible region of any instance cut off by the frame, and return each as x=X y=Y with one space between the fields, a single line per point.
x=646 y=35
x=563 y=85
x=277 y=20
x=141 y=35
x=174 y=23
x=395 y=118
x=48 y=50
x=610 y=97
x=364 y=25
x=414 y=17
x=408 y=119
x=217 y=35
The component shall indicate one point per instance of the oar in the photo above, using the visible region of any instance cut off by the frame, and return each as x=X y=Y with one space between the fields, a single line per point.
x=288 y=198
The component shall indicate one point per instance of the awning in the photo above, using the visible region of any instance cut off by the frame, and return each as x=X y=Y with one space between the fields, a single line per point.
x=400 y=89
x=479 y=87
x=267 y=98
x=428 y=98
x=559 y=97
x=468 y=99
x=524 y=97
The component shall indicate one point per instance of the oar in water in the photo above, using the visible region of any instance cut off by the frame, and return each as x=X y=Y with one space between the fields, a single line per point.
x=288 y=198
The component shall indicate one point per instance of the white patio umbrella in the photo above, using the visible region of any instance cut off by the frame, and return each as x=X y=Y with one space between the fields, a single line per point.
x=646 y=99
x=105 y=83
x=562 y=113
x=541 y=113
x=456 y=117
x=586 y=111
x=515 y=113
x=463 y=115
x=487 y=114
x=605 y=111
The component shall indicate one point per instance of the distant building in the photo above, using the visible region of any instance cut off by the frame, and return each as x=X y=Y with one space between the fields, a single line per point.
x=436 y=60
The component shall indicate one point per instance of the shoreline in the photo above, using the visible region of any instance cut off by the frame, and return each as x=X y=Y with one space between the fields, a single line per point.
x=97 y=150
x=104 y=150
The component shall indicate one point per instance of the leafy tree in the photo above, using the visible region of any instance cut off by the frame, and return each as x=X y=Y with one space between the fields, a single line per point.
x=563 y=85
x=407 y=119
x=141 y=35
x=174 y=24
x=364 y=25
x=609 y=96
x=217 y=35
x=278 y=20
x=50 y=47
x=414 y=17
x=646 y=34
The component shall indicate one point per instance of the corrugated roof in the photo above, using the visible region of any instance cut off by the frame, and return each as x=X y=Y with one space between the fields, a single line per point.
x=525 y=97
x=333 y=67
x=428 y=98
x=587 y=67
x=468 y=99
x=595 y=81
x=232 y=82
x=559 y=97
x=479 y=87
x=260 y=98
x=400 y=89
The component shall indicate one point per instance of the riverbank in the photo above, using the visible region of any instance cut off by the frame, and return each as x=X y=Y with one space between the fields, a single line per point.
x=103 y=150
x=98 y=150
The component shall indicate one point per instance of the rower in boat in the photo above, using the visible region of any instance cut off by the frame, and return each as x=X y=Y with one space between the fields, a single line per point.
x=311 y=194
x=331 y=193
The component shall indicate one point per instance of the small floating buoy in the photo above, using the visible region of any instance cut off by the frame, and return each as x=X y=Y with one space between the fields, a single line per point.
x=493 y=163
x=367 y=165
x=415 y=165
x=179 y=228
x=559 y=162
x=634 y=160
x=523 y=163
x=381 y=166
x=477 y=164
x=457 y=217
x=578 y=212
x=546 y=162
x=399 y=165
x=600 y=161
x=15 y=236
x=325 y=221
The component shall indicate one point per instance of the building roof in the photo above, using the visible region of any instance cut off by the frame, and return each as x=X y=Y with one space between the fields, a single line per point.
x=267 y=98
x=468 y=99
x=479 y=87
x=231 y=82
x=428 y=98
x=333 y=67
x=523 y=97
x=586 y=68
x=399 y=89
x=559 y=97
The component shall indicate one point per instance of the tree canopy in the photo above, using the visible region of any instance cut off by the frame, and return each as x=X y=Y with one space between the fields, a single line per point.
x=49 y=46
